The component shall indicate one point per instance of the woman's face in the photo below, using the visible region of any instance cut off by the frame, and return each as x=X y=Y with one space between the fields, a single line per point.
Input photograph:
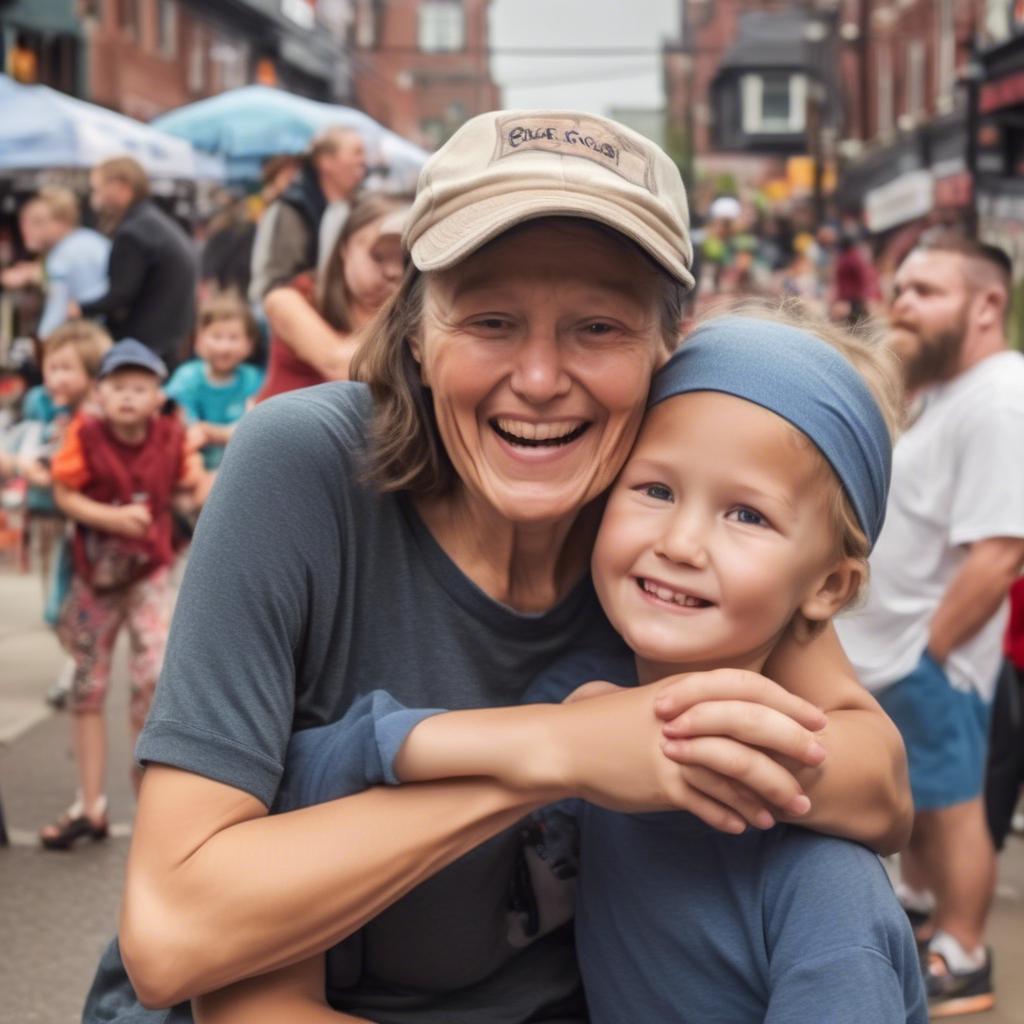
x=373 y=265
x=539 y=351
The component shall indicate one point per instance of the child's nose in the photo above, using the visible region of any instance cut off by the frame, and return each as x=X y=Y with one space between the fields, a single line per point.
x=683 y=541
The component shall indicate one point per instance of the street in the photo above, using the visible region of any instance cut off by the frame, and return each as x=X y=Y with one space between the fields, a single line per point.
x=60 y=909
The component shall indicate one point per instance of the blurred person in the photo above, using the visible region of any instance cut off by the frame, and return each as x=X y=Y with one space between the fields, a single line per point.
x=928 y=640
x=854 y=281
x=299 y=228
x=115 y=475
x=76 y=258
x=26 y=273
x=277 y=173
x=152 y=268
x=71 y=361
x=799 y=278
x=315 y=320
x=226 y=261
x=215 y=389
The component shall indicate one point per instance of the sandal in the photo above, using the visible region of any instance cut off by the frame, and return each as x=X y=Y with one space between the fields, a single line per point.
x=75 y=824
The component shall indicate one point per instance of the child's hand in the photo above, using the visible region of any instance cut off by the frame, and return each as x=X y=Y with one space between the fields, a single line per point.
x=733 y=724
x=131 y=520
x=37 y=474
x=195 y=437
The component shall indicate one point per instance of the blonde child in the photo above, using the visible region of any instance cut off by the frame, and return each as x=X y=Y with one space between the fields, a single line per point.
x=114 y=476
x=745 y=513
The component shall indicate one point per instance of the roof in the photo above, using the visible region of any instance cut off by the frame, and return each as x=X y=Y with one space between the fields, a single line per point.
x=768 y=40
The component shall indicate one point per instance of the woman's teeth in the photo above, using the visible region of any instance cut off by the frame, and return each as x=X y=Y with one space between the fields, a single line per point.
x=529 y=434
x=686 y=600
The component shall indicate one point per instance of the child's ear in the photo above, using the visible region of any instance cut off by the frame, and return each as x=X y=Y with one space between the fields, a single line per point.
x=833 y=592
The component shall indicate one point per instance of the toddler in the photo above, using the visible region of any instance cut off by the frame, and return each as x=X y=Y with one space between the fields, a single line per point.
x=215 y=389
x=114 y=476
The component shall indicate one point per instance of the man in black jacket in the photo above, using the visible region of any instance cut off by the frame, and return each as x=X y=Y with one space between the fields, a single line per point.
x=152 y=291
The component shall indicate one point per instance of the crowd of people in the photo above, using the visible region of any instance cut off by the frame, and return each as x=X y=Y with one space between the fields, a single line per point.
x=536 y=692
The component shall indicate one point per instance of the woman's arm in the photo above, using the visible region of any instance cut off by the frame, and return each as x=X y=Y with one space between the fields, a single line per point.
x=216 y=890
x=861 y=789
x=293 y=995
x=298 y=325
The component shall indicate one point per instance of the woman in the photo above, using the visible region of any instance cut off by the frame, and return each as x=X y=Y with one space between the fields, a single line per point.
x=314 y=323
x=430 y=535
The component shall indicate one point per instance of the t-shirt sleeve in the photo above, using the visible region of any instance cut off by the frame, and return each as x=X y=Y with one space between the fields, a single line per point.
x=837 y=937
x=557 y=681
x=225 y=701
x=181 y=387
x=69 y=466
x=347 y=756
x=988 y=495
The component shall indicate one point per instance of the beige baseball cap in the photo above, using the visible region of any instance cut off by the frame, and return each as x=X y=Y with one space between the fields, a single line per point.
x=508 y=166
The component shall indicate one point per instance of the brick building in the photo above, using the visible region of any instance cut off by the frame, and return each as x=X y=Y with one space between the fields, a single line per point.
x=143 y=57
x=422 y=67
x=747 y=81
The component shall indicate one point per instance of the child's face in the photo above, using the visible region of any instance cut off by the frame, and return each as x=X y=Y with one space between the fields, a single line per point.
x=223 y=345
x=129 y=397
x=66 y=377
x=715 y=533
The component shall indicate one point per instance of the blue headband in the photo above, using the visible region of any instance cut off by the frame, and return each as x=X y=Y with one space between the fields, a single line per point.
x=804 y=380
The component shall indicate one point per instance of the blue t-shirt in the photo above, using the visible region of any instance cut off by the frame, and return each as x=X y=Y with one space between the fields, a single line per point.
x=676 y=921
x=46 y=420
x=207 y=401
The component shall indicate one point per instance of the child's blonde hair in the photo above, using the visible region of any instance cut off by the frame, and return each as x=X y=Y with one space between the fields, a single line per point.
x=89 y=340
x=865 y=348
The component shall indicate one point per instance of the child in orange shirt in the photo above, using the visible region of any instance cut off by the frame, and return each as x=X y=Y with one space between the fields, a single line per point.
x=114 y=476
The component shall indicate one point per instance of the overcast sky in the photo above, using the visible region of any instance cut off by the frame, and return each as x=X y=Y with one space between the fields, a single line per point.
x=592 y=83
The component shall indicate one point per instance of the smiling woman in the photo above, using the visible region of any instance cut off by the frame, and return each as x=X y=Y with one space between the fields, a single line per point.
x=427 y=532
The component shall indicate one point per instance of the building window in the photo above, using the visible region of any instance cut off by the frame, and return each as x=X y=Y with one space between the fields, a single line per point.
x=167 y=28
x=883 y=87
x=774 y=103
x=197 y=59
x=915 y=79
x=442 y=26
x=945 y=64
x=231 y=59
x=128 y=18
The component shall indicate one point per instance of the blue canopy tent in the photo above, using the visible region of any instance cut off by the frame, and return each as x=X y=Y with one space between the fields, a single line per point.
x=249 y=124
x=41 y=128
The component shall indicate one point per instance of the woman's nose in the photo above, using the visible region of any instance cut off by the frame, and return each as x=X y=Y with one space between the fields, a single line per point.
x=539 y=373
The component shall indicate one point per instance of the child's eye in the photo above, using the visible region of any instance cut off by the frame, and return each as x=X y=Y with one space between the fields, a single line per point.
x=660 y=492
x=748 y=517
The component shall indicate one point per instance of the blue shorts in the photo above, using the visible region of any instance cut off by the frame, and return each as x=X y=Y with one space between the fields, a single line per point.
x=945 y=731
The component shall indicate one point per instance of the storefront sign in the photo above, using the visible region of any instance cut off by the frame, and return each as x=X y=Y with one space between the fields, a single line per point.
x=1007 y=91
x=907 y=197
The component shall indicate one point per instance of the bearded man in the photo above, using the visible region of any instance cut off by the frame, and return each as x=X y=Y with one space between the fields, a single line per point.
x=928 y=639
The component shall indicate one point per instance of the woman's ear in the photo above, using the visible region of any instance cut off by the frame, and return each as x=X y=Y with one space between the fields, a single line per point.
x=831 y=593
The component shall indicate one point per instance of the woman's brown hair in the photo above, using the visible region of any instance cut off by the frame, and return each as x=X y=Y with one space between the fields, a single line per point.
x=332 y=295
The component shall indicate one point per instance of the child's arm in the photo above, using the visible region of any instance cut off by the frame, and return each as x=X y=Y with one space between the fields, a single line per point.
x=292 y=995
x=216 y=433
x=126 y=520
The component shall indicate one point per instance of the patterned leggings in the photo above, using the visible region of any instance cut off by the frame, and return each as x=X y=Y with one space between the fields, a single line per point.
x=89 y=623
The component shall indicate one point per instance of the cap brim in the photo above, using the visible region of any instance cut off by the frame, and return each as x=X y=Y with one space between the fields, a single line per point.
x=462 y=232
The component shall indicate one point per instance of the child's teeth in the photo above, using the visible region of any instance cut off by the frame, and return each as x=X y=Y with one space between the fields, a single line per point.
x=664 y=593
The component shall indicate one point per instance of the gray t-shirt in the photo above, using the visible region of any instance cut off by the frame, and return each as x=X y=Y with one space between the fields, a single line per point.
x=306 y=589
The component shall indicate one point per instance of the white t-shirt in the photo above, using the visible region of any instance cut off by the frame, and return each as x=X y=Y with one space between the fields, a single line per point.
x=958 y=477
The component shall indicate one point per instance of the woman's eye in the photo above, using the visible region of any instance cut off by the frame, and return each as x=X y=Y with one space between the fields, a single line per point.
x=657 y=491
x=491 y=323
x=598 y=330
x=748 y=517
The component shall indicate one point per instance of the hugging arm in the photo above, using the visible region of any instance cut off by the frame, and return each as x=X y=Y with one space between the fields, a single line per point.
x=298 y=325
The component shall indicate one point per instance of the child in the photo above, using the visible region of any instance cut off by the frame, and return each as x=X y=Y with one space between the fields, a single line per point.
x=114 y=476
x=214 y=390
x=746 y=510
x=71 y=360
